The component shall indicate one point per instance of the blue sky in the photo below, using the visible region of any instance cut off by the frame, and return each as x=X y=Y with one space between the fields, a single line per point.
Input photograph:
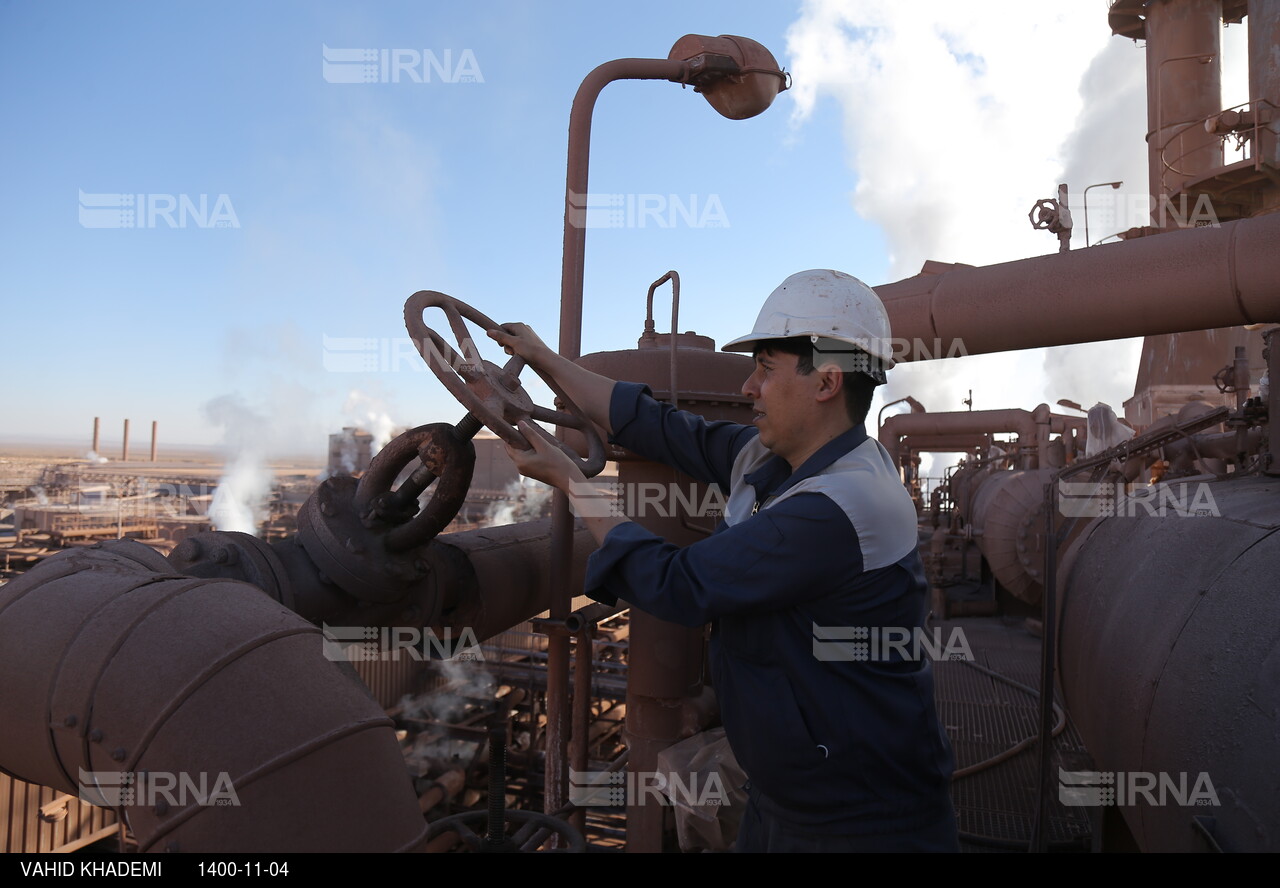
x=347 y=198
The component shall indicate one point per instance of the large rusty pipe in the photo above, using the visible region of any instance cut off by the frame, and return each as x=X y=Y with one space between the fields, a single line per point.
x=941 y=443
x=1176 y=677
x=496 y=577
x=240 y=734
x=1197 y=279
x=1184 y=87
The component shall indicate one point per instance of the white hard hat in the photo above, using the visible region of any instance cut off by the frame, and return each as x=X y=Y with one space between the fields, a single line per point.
x=835 y=310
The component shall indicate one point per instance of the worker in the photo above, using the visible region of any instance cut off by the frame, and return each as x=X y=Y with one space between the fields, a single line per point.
x=841 y=744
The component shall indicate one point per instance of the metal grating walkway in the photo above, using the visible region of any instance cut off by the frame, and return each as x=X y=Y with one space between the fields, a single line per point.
x=984 y=717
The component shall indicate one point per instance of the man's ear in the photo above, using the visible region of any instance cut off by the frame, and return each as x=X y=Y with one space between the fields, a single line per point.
x=830 y=383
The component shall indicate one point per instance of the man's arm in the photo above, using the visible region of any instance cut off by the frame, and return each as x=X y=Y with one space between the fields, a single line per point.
x=703 y=450
x=588 y=390
x=799 y=550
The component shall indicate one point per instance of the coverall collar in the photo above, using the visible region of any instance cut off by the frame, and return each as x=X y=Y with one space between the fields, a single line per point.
x=771 y=479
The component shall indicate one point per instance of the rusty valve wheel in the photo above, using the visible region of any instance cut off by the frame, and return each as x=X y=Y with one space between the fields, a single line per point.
x=491 y=393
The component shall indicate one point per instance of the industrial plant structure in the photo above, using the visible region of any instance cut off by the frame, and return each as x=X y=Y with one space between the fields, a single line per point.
x=370 y=683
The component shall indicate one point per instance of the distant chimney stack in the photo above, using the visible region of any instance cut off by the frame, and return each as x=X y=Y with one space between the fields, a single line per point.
x=97 y=430
x=124 y=451
x=154 y=425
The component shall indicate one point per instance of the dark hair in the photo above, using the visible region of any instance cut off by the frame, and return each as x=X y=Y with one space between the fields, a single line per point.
x=858 y=387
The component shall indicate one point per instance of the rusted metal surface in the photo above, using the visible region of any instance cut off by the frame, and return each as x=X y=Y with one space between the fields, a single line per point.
x=950 y=425
x=738 y=76
x=447 y=459
x=1196 y=279
x=1184 y=88
x=1264 y=87
x=491 y=393
x=116 y=663
x=493 y=578
x=1008 y=520
x=1146 y=673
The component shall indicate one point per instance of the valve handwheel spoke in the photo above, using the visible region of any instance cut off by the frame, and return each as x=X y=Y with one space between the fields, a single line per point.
x=491 y=393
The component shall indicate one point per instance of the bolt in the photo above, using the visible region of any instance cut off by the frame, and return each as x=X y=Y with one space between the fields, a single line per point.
x=117 y=754
x=420 y=566
x=326 y=508
x=188 y=550
x=353 y=547
x=69 y=721
x=220 y=556
x=96 y=735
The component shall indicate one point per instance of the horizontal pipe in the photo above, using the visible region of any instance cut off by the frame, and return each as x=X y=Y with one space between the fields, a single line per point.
x=946 y=425
x=1196 y=279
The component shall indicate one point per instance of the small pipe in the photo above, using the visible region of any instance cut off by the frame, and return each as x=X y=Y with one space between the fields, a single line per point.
x=581 y=711
x=154 y=430
x=124 y=450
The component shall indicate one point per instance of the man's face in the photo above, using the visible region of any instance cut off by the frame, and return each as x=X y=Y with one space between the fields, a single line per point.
x=784 y=402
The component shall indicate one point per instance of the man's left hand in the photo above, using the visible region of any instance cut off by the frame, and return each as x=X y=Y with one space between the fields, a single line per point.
x=545 y=462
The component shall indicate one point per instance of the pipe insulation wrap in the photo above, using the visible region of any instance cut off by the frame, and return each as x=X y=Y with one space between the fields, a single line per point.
x=115 y=663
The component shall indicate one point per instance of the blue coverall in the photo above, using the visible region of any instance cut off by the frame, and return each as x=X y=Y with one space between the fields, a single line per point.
x=841 y=753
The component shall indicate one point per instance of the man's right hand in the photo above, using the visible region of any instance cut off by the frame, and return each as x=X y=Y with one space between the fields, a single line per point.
x=519 y=339
x=590 y=391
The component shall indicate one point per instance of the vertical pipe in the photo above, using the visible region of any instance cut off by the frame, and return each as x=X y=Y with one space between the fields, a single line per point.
x=1264 y=83
x=1182 y=90
x=124 y=450
x=154 y=427
x=572 y=268
x=97 y=429
x=581 y=710
x=1273 y=402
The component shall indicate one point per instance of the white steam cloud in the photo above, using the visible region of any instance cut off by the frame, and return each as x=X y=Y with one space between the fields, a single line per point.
x=240 y=501
x=957 y=118
x=371 y=414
